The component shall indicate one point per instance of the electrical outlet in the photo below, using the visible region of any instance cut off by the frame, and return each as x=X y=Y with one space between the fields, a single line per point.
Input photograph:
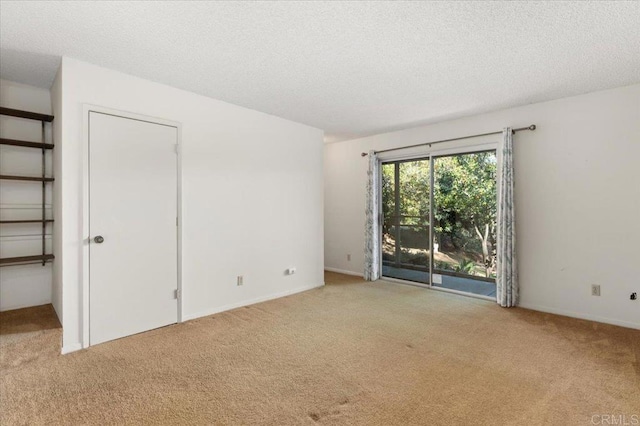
x=291 y=271
x=348 y=258
x=240 y=280
x=595 y=290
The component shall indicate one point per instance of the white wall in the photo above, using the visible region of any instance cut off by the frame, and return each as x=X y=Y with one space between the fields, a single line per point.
x=577 y=200
x=24 y=285
x=251 y=191
x=56 y=285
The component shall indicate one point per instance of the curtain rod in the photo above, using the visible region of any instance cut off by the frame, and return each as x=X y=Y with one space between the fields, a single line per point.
x=532 y=127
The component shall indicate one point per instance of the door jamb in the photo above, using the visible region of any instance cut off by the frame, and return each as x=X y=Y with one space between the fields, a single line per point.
x=86 y=110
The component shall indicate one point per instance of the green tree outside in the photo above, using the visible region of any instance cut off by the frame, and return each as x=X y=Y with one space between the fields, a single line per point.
x=464 y=204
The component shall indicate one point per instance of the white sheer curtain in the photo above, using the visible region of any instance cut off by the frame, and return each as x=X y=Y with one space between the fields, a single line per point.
x=372 y=228
x=507 y=271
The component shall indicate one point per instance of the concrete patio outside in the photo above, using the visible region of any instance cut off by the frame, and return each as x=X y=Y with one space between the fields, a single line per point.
x=467 y=285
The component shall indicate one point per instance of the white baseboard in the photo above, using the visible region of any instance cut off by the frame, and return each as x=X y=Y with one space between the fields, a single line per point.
x=67 y=349
x=344 y=271
x=230 y=306
x=77 y=346
x=24 y=305
x=579 y=315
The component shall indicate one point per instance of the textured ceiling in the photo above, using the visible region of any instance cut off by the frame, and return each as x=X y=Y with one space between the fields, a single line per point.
x=350 y=68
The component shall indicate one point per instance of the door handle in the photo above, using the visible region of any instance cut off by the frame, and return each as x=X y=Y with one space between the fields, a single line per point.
x=99 y=239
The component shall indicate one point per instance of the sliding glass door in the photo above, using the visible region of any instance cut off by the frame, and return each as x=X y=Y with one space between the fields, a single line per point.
x=405 y=226
x=464 y=213
x=439 y=216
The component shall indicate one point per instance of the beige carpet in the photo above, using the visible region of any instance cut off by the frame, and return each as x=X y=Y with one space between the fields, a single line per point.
x=28 y=335
x=349 y=353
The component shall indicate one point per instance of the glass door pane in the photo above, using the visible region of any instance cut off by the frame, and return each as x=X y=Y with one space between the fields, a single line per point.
x=405 y=227
x=464 y=203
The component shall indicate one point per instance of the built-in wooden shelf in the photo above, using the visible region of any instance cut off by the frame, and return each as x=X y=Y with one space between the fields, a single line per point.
x=22 y=259
x=27 y=221
x=26 y=114
x=28 y=178
x=43 y=118
x=27 y=144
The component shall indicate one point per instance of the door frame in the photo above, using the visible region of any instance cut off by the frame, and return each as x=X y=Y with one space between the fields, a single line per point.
x=86 y=110
x=430 y=154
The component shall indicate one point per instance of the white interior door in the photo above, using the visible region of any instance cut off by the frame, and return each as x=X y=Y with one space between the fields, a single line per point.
x=133 y=207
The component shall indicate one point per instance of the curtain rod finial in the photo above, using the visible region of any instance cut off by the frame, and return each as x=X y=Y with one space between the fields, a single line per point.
x=364 y=154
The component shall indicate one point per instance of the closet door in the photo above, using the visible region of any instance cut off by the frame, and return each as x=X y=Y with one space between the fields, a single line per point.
x=133 y=226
